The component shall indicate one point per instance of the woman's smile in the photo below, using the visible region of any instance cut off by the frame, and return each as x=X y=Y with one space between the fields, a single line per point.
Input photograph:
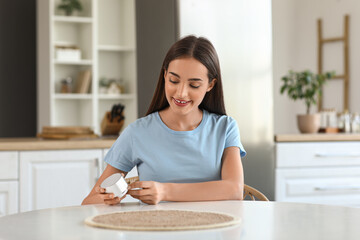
x=181 y=103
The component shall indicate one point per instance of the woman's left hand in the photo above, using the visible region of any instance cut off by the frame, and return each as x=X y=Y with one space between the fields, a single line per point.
x=148 y=191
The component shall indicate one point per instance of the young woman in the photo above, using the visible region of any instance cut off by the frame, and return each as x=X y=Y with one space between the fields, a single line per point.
x=186 y=148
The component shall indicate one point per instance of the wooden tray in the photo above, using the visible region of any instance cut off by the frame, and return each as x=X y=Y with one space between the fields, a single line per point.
x=67 y=130
x=66 y=136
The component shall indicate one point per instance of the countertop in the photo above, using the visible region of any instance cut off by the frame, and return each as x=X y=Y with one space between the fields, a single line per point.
x=259 y=220
x=317 y=137
x=28 y=144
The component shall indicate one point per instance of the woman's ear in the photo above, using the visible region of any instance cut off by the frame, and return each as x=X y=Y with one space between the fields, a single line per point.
x=211 y=85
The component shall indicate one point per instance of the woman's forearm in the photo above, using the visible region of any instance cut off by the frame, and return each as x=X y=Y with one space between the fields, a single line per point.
x=205 y=191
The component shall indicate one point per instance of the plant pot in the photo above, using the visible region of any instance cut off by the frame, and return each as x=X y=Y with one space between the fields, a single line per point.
x=308 y=123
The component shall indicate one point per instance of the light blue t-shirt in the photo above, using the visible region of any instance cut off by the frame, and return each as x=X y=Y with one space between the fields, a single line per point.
x=164 y=155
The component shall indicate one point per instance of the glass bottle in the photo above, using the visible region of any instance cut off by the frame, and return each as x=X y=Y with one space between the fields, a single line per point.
x=347 y=122
x=66 y=85
x=355 y=123
x=340 y=122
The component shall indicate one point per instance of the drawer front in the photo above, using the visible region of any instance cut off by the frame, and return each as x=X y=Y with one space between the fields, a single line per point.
x=316 y=154
x=335 y=186
x=9 y=165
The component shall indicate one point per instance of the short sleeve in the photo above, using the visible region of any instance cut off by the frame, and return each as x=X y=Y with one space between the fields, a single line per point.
x=120 y=155
x=232 y=137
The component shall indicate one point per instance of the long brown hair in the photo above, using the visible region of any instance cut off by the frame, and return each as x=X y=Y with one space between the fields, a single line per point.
x=202 y=50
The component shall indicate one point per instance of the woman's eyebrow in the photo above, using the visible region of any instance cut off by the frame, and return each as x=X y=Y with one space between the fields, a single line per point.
x=195 y=79
x=176 y=75
x=190 y=79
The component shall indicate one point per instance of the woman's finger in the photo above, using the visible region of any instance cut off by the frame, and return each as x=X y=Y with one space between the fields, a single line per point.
x=148 y=202
x=111 y=196
x=140 y=192
x=108 y=196
x=99 y=189
x=112 y=201
x=141 y=184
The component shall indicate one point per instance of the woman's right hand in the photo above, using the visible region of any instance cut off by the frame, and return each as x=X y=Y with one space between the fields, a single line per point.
x=99 y=196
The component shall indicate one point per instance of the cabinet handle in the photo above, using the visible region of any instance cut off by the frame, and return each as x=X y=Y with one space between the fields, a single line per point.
x=336 y=188
x=329 y=155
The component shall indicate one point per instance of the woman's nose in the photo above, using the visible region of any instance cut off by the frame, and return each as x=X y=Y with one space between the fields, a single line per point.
x=181 y=91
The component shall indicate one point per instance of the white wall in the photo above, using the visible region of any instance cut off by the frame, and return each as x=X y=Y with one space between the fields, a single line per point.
x=295 y=47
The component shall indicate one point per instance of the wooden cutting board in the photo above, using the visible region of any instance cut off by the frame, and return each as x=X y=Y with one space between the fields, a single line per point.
x=65 y=136
x=67 y=130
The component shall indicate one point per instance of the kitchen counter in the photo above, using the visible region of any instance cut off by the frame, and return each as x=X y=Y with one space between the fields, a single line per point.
x=29 y=144
x=317 y=137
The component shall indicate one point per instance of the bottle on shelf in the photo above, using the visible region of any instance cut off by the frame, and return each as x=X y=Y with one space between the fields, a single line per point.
x=355 y=123
x=66 y=85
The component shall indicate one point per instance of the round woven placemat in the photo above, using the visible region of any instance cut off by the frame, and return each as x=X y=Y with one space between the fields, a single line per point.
x=162 y=220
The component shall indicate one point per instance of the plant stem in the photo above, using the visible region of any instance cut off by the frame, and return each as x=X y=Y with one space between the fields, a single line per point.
x=307 y=107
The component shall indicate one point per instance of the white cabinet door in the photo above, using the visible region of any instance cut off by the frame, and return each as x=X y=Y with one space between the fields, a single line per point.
x=56 y=178
x=8 y=198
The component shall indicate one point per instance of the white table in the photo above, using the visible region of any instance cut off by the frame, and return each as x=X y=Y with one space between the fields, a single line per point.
x=261 y=220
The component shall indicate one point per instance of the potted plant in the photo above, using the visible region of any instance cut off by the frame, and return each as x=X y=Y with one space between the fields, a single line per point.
x=69 y=6
x=305 y=86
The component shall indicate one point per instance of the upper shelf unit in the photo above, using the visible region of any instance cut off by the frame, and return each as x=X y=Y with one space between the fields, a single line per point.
x=99 y=40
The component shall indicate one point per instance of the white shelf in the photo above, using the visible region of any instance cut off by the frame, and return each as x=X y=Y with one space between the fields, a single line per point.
x=124 y=96
x=80 y=62
x=63 y=43
x=73 y=96
x=115 y=48
x=71 y=19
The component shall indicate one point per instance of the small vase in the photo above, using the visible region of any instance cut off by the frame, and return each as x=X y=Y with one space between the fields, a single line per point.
x=308 y=123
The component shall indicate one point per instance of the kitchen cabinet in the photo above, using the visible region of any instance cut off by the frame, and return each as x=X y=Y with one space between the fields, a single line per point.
x=8 y=183
x=323 y=172
x=57 y=178
x=37 y=173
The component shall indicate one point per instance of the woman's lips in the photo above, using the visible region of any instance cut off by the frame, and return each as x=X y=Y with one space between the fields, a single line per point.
x=181 y=103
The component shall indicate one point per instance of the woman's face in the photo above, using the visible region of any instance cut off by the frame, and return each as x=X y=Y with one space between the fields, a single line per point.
x=186 y=83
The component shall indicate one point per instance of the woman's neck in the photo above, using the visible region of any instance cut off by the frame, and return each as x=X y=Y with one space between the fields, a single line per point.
x=180 y=122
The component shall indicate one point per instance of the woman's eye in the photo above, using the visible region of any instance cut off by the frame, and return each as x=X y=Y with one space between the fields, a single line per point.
x=193 y=86
x=173 y=81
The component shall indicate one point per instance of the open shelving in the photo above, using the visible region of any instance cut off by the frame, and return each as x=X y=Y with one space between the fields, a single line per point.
x=105 y=34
